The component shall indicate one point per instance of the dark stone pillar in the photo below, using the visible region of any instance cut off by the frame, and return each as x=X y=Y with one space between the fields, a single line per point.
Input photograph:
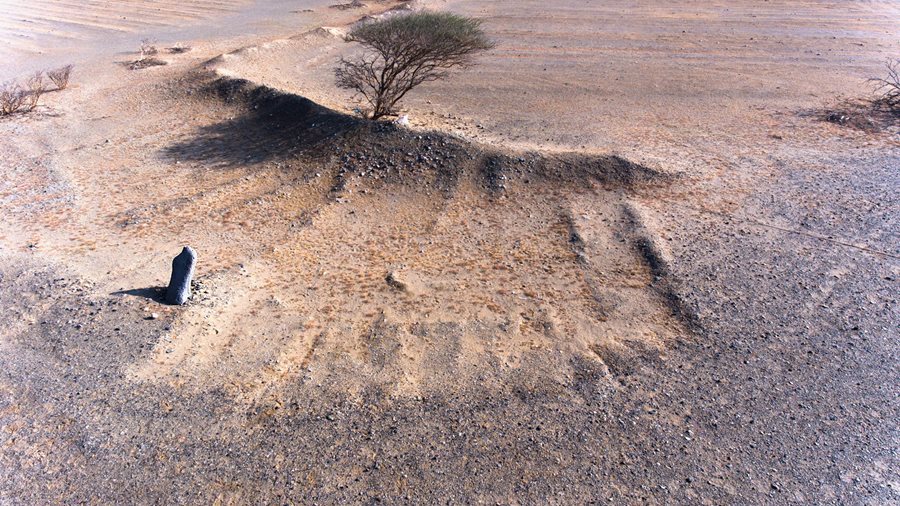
x=179 y=290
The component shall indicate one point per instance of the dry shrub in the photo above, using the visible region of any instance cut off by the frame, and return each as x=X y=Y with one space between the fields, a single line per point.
x=34 y=89
x=355 y=4
x=12 y=97
x=145 y=63
x=888 y=88
x=147 y=57
x=179 y=48
x=148 y=48
x=60 y=76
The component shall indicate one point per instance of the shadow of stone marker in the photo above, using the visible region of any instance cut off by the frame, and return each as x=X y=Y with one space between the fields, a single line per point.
x=179 y=290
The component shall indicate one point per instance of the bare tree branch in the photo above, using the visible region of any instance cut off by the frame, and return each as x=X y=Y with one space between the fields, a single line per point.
x=888 y=88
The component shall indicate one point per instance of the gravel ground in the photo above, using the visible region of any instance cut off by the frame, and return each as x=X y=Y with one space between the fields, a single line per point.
x=766 y=259
x=785 y=391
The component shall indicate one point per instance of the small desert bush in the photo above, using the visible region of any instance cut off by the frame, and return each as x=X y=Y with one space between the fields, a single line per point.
x=179 y=48
x=147 y=57
x=15 y=97
x=60 y=76
x=34 y=88
x=888 y=88
x=355 y=4
x=148 y=48
x=12 y=97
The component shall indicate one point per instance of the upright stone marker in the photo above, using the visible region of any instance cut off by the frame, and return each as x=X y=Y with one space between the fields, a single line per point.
x=179 y=290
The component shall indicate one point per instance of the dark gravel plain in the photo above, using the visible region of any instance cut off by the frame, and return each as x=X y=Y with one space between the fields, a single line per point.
x=785 y=391
x=783 y=231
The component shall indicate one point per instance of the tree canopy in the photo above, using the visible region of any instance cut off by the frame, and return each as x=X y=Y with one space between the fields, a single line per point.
x=406 y=50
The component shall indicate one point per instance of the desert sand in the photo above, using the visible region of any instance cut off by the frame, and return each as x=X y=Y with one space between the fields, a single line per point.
x=624 y=259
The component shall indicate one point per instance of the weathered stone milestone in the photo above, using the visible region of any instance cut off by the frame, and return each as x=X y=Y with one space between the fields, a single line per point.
x=179 y=290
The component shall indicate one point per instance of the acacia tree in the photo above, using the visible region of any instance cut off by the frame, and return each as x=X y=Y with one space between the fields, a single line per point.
x=406 y=50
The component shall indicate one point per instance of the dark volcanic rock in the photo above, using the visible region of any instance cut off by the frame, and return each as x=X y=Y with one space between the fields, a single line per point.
x=179 y=290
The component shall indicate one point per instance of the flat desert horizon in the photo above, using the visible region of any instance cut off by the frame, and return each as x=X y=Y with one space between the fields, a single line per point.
x=637 y=252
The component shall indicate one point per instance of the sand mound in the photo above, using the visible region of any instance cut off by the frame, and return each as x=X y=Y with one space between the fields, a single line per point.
x=417 y=259
x=300 y=212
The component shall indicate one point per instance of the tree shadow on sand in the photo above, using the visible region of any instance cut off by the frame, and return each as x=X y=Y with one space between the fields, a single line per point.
x=272 y=126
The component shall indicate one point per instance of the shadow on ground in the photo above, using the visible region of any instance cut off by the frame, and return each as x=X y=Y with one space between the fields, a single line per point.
x=271 y=125
x=155 y=293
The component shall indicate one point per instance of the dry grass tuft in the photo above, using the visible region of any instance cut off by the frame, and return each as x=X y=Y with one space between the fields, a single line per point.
x=145 y=63
x=179 y=48
x=148 y=48
x=355 y=4
x=147 y=56
x=60 y=76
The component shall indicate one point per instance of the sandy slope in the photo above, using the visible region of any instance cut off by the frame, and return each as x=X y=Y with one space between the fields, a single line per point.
x=38 y=34
x=401 y=315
